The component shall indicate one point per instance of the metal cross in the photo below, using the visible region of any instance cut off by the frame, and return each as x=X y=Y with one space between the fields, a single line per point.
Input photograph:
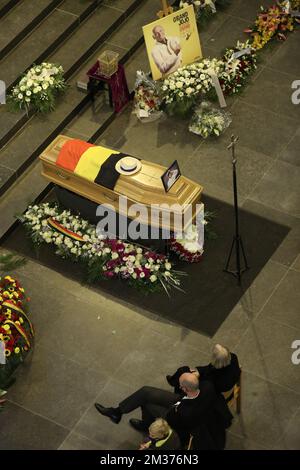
x=231 y=146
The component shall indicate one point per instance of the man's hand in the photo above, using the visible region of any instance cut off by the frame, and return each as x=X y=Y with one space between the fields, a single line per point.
x=177 y=49
x=175 y=46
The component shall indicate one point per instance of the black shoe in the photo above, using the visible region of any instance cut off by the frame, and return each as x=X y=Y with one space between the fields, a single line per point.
x=112 y=413
x=138 y=425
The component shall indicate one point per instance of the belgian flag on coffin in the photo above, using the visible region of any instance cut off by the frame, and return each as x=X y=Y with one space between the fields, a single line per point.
x=91 y=162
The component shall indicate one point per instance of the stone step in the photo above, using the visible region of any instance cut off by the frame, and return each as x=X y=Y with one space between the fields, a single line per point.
x=7 y=5
x=89 y=125
x=90 y=37
x=72 y=54
x=47 y=37
x=21 y=21
x=25 y=147
x=75 y=12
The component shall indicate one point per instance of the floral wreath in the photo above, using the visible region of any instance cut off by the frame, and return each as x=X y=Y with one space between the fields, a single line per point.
x=188 y=248
x=103 y=258
x=16 y=330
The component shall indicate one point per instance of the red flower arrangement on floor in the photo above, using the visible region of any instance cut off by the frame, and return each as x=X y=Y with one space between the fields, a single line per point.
x=184 y=254
x=188 y=249
x=16 y=330
x=237 y=71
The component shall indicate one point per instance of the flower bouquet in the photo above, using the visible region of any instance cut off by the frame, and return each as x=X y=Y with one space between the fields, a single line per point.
x=16 y=330
x=271 y=23
x=295 y=4
x=181 y=89
x=239 y=63
x=146 y=98
x=103 y=258
x=188 y=248
x=38 y=88
x=204 y=9
x=208 y=121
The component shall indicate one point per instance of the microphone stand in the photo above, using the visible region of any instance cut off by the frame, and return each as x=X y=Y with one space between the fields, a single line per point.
x=237 y=242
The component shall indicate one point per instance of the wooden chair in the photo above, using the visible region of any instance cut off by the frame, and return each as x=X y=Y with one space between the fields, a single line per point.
x=190 y=443
x=233 y=396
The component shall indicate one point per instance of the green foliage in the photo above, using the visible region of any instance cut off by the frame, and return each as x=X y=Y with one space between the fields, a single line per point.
x=181 y=108
x=94 y=270
x=209 y=216
x=145 y=288
x=9 y=262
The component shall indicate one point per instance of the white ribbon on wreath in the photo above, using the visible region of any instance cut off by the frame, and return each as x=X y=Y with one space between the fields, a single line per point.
x=216 y=83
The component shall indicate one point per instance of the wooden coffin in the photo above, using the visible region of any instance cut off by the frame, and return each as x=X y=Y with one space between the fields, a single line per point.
x=144 y=187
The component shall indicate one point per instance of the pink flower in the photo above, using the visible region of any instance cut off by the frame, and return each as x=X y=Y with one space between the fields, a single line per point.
x=109 y=274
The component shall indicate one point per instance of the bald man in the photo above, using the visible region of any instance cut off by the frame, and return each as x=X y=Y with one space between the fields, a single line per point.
x=166 y=52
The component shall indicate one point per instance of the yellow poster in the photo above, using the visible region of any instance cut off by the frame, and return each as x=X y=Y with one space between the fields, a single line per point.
x=172 y=41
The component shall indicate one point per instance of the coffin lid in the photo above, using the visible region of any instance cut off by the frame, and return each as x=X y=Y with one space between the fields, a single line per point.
x=144 y=187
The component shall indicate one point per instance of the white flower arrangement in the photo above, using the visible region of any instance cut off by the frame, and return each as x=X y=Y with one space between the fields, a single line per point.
x=191 y=240
x=183 y=87
x=199 y=4
x=105 y=258
x=38 y=88
x=208 y=121
x=190 y=81
x=204 y=9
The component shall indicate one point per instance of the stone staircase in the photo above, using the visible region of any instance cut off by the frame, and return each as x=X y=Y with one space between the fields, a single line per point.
x=23 y=137
x=7 y=6
x=21 y=21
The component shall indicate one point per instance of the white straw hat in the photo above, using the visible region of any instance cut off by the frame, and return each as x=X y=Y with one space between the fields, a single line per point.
x=128 y=166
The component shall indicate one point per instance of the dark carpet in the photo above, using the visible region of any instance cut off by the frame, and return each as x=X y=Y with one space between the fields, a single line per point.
x=210 y=294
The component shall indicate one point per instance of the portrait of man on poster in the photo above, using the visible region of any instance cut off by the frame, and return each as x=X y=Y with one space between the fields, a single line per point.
x=166 y=52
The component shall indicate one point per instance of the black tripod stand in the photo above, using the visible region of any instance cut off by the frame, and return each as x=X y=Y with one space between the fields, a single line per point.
x=237 y=240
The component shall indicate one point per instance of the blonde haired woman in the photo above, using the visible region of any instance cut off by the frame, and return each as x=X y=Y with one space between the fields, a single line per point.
x=161 y=437
x=223 y=370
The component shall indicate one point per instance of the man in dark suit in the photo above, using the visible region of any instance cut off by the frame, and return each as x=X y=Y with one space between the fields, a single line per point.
x=184 y=412
x=223 y=371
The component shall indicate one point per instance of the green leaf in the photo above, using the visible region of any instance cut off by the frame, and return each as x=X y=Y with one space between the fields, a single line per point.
x=10 y=262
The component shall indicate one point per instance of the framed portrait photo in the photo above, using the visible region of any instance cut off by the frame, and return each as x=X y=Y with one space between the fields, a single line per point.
x=170 y=176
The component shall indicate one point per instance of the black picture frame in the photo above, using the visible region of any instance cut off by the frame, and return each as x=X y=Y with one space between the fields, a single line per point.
x=166 y=180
